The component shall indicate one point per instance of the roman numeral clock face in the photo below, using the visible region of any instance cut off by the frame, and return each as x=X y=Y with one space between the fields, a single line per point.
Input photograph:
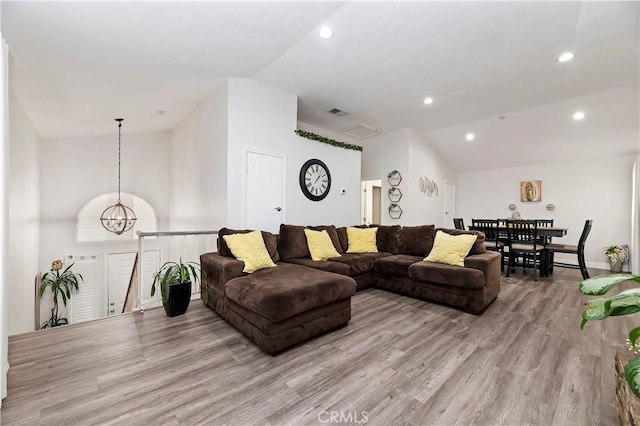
x=315 y=180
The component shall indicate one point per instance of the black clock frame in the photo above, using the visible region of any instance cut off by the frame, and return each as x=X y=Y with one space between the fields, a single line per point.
x=303 y=186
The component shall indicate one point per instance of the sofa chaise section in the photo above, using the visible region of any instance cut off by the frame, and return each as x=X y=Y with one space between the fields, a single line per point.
x=276 y=307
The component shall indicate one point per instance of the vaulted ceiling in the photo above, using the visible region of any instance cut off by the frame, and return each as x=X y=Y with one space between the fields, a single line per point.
x=77 y=65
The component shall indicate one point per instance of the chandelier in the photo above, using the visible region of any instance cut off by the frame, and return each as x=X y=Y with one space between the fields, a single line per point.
x=118 y=218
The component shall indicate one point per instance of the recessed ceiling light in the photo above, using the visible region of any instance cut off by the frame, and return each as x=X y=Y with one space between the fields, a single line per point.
x=470 y=136
x=428 y=101
x=325 y=32
x=566 y=57
x=578 y=115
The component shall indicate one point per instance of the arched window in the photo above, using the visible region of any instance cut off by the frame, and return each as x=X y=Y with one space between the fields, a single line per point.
x=89 y=228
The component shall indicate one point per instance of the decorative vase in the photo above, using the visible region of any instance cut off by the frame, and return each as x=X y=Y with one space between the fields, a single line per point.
x=178 y=298
x=615 y=263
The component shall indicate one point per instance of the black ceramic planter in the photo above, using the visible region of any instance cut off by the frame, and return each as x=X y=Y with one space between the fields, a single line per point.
x=178 y=297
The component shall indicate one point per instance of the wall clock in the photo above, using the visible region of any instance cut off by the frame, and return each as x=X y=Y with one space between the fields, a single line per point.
x=315 y=180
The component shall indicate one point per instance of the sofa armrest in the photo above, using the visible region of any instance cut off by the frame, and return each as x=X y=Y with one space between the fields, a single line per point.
x=483 y=261
x=217 y=270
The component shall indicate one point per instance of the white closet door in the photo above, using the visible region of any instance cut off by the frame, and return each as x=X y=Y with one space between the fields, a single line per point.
x=88 y=303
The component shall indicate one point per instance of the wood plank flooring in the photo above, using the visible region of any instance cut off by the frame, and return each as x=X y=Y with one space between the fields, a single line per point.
x=399 y=361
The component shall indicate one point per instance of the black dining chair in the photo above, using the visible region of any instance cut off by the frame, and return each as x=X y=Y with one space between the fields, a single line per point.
x=571 y=249
x=524 y=243
x=458 y=223
x=491 y=236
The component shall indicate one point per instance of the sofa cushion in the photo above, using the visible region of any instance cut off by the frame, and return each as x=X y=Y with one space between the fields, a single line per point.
x=359 y=263
x=451 y=249
x=362 y=240
x=477 y=248
x=397 y=265
x=333 y=234
x=323 y=265
x=288 y=290
x=270 y=242
x=293 y=242
x=320 y=245
x=455 y=276
x=416 y=240
x=250 y=249
x=387 y=238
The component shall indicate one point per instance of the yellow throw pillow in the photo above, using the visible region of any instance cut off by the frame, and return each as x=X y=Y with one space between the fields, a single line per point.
x=250 y=249
x=451 y=249
x=362 y=240
x=320 y=245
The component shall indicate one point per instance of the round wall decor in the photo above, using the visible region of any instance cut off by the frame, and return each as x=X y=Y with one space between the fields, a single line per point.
x=315 y=179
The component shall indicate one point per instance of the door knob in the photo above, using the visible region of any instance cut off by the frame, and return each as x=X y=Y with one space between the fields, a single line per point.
x=278 y=209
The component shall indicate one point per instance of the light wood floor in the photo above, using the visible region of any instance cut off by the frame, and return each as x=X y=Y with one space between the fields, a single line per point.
x=399 y=361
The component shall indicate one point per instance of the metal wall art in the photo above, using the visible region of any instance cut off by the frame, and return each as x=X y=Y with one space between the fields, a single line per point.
x=395 y=211
x=427 y=186
x=394 y=194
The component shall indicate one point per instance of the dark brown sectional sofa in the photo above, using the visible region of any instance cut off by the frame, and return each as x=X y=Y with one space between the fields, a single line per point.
x=301 y=298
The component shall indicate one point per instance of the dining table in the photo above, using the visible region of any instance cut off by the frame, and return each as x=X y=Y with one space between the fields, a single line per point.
x=547 y=232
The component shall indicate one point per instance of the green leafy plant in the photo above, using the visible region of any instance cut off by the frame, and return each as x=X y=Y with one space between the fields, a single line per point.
x=174 y=273
x=332 y=142
x=392 y=173
x=392 y=190
x=62 y=285
x=624 y=303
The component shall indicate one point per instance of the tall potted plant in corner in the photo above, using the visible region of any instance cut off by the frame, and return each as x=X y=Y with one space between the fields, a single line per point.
x=624 y=303
x=174 y=280
x=62 y=284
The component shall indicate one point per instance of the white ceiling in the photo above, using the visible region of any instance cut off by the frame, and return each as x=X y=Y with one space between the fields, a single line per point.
x=77 y=65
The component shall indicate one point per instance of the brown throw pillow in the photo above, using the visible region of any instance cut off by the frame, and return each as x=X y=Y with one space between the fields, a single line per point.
x=387 y=238
x=416 y=240
x=270 y=241
x=293 y=242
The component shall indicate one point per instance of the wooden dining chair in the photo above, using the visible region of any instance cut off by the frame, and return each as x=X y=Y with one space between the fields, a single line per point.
x=578 y=250
x=458 y=223
x=524 y=242
x=491 y=236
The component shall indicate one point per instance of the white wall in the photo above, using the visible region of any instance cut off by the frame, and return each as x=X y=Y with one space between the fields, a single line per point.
x=263 y=119
x=424 y=161
x=24 y=217
x=580 y=190
x=408 y=152
x=199 y=166
x=74 y=171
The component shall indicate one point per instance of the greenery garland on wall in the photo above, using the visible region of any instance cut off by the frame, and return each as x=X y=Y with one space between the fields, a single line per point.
x=318 y=138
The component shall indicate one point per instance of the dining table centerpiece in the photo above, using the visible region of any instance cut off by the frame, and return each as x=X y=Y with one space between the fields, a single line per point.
x=617 y=255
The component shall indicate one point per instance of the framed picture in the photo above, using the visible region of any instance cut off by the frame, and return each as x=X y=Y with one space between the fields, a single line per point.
x=531 y=190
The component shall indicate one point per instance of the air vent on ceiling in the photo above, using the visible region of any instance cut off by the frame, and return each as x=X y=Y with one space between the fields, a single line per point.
x=361 y=131
x=338 y=112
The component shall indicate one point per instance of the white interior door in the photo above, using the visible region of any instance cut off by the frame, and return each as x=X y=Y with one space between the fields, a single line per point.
x=264 y=192
x=120 y=269
x=449 y=204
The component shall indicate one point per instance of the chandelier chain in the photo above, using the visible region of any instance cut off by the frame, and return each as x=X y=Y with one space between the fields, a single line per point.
x=119 y=154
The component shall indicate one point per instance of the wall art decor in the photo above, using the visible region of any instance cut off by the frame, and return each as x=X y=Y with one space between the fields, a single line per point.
x=328 y=141
x=427 y=186
x=530 y=191
x=394 y=177
x=550 y=207
x=395 y=211
x=394 y=194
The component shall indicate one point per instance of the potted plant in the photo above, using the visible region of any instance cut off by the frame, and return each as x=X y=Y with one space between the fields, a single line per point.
x=62 y=284
x=174 y=280
x=624 y=303
x=617 y=255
